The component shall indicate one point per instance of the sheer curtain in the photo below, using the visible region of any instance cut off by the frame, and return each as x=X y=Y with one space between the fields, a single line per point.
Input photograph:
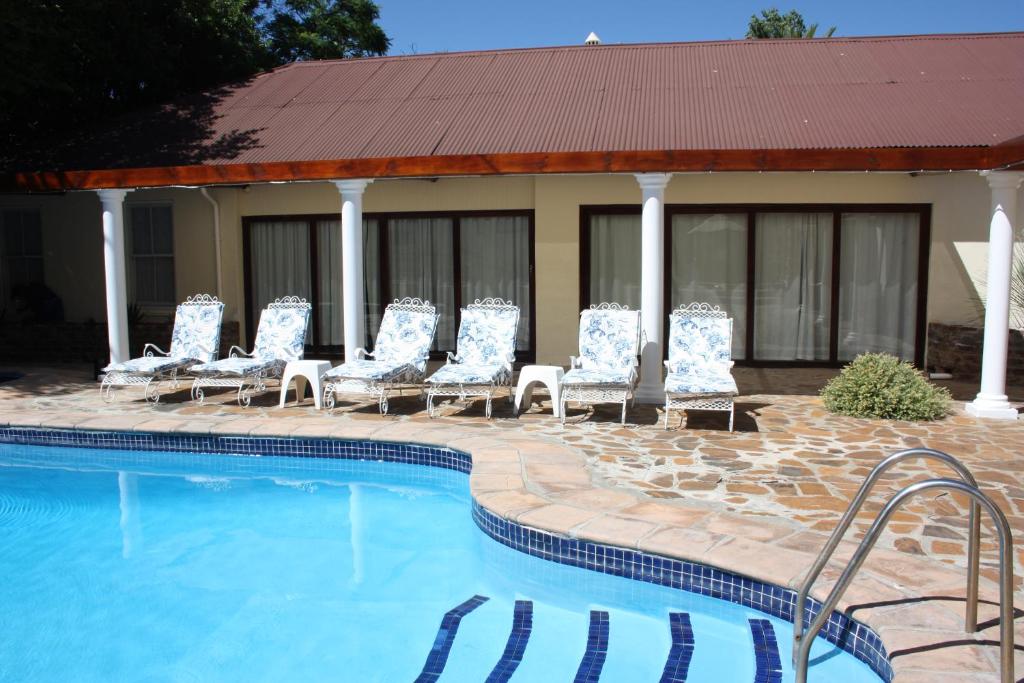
x=878 y=284
x=793 y=273
x=709 y=264
x=495 y=253
x=421 y=265
x=330 y=314
x=615 y=259
x=280 y=264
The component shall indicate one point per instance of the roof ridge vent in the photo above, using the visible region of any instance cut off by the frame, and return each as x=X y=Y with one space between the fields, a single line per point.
x=592 y=39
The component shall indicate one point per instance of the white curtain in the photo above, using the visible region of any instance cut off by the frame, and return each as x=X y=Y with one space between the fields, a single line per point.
x=371 y=280
x=280 y=264
x=421 y=265
x=878 y=284
x=495 y=254
x=709 y=264
x=330 y=311
x=615 y=259
x=793 y=272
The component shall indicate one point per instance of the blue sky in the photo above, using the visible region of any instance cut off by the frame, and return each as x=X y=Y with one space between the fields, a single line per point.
x=454 y=25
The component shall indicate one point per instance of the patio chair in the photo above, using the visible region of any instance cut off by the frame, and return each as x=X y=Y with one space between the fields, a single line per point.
x=699 y=361
x=485 y=350
x=399 y=356
x=280 y=338
x=194 y=339
x=606 y=369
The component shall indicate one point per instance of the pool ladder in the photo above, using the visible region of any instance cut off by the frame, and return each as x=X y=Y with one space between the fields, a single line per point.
x=967 y=485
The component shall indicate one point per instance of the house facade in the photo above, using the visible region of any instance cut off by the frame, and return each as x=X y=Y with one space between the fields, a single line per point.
x=835 y=196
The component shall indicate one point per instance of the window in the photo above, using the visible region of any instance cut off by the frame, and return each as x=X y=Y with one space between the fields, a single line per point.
x=803 y=284
x=450 y=259
x=22 y=247
x=152 y=250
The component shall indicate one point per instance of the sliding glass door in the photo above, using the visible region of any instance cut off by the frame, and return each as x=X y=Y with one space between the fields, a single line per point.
x=803 y=284
x=449 y=259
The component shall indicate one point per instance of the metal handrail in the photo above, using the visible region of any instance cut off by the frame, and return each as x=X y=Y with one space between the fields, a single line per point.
x=973 y=545
x=1005 y=571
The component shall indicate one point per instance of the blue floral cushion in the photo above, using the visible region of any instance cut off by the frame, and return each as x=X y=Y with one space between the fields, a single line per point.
x=238 y=366
x=487 y=336
x=609 y=338
x=405 y=337
x=708 y=380
x=599 y=376
x=281 y=334
x=148 y=365
x=379 y=370
x=197 y=331
x=697 y=343
x=465 y=373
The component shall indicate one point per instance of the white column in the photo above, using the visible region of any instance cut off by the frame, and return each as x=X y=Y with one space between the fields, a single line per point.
x=353 y=294
x=113 y=261
x=652 y=283
x=991 y=400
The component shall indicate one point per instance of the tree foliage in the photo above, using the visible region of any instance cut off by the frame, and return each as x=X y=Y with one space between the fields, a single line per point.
x=774 y=24
x=67 y=66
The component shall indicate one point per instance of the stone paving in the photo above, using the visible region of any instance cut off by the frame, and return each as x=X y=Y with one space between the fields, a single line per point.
x=759 y=501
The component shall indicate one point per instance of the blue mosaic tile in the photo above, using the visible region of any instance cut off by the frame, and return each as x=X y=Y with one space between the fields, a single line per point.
x=597 y=649
x=678 y=664
x=766 y=652
x=840 y=630
x=522 y=626
x=438 y=656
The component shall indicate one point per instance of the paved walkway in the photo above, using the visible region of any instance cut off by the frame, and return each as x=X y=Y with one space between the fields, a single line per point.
x=759 y=501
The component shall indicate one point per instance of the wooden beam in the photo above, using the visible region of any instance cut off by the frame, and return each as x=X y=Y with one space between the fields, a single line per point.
x=861 y=159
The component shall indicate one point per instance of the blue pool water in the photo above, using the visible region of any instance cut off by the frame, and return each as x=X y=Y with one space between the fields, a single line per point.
x=135 y=566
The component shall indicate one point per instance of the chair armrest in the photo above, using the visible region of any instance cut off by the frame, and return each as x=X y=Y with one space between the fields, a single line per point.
x=148 y=350
x=574 y=362
x=451 y=358
x=668 y=365
x=362 y=353
x=237 y=351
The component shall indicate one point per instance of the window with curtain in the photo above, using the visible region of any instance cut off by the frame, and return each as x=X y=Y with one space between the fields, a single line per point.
x=329 y=316
x=152 y=251
x=614 y=254
x=21 y=250
x=279 y=253
x=421 y=264
x=793 y=276
x=878 y=280
x=495 y=262
x=709 y=264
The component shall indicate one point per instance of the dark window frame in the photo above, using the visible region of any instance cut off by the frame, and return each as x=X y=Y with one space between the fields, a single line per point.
x=19 y=262
x=383 y=267
x=924 y=212
x=152 y=255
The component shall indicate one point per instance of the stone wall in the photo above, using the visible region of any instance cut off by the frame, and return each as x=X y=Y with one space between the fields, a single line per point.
x=956 y=349
x=87 y=342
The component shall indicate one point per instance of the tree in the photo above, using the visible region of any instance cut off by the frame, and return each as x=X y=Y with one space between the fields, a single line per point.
x=773 y=24
x=68 y=67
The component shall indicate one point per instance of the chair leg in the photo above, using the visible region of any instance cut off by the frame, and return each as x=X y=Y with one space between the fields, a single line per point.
x=624 y=409
x=666 y=414
x=732 y=415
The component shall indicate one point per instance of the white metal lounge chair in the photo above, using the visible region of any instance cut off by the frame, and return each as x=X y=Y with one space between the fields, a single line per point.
x=606 y=369
x=485 y=350
x=699 y=361
x=195 y=339
x=280 y=338
x=399 y=356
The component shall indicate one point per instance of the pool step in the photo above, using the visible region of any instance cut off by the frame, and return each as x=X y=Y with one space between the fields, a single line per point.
x=478 y=655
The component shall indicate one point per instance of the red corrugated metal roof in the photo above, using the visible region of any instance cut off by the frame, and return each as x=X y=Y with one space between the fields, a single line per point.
x=915 y=91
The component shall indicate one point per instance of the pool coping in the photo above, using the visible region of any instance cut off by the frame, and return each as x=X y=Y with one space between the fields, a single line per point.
x=543 y=489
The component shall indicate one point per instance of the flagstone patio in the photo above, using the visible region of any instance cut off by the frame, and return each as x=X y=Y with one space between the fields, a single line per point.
x=758 y=501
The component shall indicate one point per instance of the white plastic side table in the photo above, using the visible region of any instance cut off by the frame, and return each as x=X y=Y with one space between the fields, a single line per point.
x=303 y=371
x=548 y=375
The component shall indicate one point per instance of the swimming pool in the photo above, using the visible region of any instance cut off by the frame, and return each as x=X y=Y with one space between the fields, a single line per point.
x=134 y=565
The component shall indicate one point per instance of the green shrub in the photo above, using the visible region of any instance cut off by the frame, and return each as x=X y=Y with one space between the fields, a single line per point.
x=882 y=386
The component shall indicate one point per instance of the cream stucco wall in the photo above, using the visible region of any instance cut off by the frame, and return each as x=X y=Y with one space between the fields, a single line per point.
x=74 y=257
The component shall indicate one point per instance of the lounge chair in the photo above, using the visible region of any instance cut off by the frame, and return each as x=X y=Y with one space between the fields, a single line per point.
x=399 y=357
x=195 y=339
x=606 y=369
x=485 y=350
x=280 y=338
x=699 y=361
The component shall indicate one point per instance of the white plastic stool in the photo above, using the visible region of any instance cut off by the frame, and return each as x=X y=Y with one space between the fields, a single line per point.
x=548 y=375
x=303 y=371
